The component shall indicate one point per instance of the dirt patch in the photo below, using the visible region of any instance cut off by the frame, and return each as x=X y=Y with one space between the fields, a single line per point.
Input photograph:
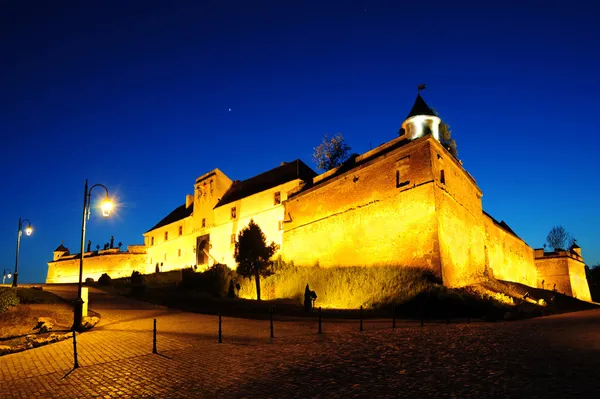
x=19 y=321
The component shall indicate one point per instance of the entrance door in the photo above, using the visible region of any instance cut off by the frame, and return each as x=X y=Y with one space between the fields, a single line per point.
x=201 y=246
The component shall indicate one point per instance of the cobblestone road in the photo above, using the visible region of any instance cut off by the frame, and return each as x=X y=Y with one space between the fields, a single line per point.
x=555 y=356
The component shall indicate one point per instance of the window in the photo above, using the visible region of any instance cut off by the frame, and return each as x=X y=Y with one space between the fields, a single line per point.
x=166 y=235
x=277 y=198
x=151 y=240
x=233 y=238
x=402 y=166
x=442 y=177
x=280 y=225
x=180 y=230
x=179 y=252
x=203 y=222
x=233 y=213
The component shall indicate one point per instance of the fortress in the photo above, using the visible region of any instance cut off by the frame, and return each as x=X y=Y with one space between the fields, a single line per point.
x=407 y=202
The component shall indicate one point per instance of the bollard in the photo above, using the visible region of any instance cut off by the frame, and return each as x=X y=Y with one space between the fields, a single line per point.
x=76 y=363
x=154 y=339
x=361 y=317
x=220 y=330
x=271 y=312
x=394 y=316
x=320 y=331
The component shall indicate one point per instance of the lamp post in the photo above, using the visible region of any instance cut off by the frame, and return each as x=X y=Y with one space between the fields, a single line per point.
x=28 y=231
x=5 y=274
x=106 y=208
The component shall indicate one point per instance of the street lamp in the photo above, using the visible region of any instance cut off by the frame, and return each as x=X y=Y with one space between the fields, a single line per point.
x=106 y=208
x=5 y=275
x=28 y=231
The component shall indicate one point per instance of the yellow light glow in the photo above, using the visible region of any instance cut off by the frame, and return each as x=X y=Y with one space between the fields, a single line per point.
x=107 y=206
x=28 y=230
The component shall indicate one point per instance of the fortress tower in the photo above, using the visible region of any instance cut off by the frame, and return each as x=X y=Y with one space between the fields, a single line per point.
x=408 y=202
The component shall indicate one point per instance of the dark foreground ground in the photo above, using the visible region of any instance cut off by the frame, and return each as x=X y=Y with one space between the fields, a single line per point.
x=555 y=357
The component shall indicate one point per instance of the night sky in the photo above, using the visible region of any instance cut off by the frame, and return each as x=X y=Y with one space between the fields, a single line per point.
x=145 y=96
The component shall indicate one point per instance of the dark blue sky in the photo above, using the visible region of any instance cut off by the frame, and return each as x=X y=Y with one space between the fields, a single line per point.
x=136 y=95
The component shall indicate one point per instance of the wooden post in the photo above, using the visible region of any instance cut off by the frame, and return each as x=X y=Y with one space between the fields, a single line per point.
x=394 y=316
x=271 y=314
x=76 y=362
x=320 y=331
x=154 y=339
x=220 y=330
x=361 y=317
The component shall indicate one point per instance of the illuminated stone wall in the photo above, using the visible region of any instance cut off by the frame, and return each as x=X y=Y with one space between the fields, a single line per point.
x=509 y=257
x=261 y=208
x=459 y=214
x=563 y=271
x=111 y=261
x=174 y=252
x=382 y=212
x=179 y=250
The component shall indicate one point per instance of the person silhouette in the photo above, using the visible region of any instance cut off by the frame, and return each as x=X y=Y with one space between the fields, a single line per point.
x=307 y=299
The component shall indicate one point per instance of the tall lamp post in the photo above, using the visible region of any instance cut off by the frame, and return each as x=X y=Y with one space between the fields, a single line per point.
x=5 y=275
x=28 y=231
x=106 y=208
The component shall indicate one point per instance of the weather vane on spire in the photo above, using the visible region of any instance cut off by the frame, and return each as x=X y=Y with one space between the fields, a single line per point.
x=420 y=87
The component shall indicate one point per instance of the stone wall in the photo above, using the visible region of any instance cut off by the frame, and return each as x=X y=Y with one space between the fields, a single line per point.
x=259 y=207
x=382 y=212
x=509 y=257
x=114 y=263
x=458 y=208
x=563 y=271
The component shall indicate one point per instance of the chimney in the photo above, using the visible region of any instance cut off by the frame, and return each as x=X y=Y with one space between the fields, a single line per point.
x=189 y=200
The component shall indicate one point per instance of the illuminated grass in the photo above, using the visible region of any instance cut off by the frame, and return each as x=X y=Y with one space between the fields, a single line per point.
x=343 y=287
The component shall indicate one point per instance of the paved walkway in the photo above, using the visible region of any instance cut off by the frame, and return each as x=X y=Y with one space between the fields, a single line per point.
x=547 y=357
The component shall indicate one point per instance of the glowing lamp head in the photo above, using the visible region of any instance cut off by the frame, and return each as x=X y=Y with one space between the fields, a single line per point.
x=9 y=275
x=107 y=206
x=28 y=230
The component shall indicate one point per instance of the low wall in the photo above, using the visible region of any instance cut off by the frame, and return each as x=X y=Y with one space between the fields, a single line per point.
x=509 y=257
x=120 y=264
x=564 y=273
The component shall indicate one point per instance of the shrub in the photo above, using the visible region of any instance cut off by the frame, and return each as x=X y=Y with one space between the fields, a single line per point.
x=138 y=283
x=89 y=281
x=8 y=298
x=214 y=281
x=105 y=279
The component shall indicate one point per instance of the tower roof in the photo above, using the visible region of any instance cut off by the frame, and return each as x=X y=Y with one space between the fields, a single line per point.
x=420 y=107
x=61 y=248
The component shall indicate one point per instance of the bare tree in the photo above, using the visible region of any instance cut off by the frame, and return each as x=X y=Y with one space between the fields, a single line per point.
x=331 y=153
x=446 y=136
x=558 y=238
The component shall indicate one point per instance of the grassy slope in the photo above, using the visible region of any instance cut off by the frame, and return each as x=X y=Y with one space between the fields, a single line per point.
x=413 y=293
x=19 y=321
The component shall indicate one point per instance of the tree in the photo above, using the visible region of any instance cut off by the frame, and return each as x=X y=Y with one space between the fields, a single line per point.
x=331 y=153
x=253 y=255
x=446 y=137
x=593 y=277
x=558 y=238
